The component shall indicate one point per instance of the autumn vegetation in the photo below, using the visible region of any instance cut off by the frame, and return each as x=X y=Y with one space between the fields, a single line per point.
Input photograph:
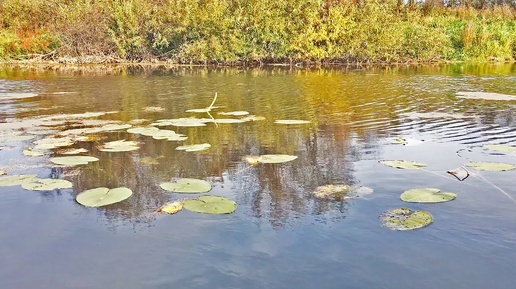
x=257 y=31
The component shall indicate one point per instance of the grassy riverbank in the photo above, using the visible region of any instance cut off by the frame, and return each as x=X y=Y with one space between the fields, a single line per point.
x=245 y=31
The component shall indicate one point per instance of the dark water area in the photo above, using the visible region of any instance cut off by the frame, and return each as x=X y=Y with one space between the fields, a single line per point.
x=280 y=235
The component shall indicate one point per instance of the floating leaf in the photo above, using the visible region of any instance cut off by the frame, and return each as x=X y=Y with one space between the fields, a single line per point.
x=53 y=142
x=33 y=153
x=47 y=184
x=275 y=159
x=228 y=120
x=165 y=134
x=7 y=181
x=72 y=151
x=235 y=113
x=15 y=138
x=172 y=207
x=501 y=148
x=73 y=160
x=401 y=164
x=17 y=95
x=253 y=118
x=491 y=166
x=485 y=95
x=427 y=195
x=331 y=191
x=199 y=110
x=403 y=219
x=187 y=186
x=252 y=160
x=210 y=205
x=103 y=196
x=119 y=146
x=194 y=148
x=153 y=109
x=291 y=121
x=145 y=130
x=182 y=122
x=42 y=131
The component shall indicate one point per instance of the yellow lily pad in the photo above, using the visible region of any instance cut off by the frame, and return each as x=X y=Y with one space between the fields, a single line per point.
x=171 y=207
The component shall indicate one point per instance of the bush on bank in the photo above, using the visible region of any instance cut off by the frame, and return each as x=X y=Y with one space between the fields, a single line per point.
x=246 y=31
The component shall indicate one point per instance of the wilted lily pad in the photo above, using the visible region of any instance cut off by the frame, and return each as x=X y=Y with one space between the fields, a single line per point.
x=73 y=160
x=331 y=191
x=501 y=148
x=210 y=205
x=119 y=146
x=7 y=181
x=103 y=196
x=291 y=121
x=187 y=186
x=427 y=195
x=194 y=147
x=491 y=166
x=72 y=151
x=172 y=207
x=401 y=164
x=47 y=184
x=403 y=219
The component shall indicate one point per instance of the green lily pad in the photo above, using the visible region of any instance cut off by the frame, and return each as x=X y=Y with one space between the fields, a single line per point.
x=501 y=148
x=119 y=146
x=210 y=205
x=172 y=207
x=103 y=196
x=194 y=147
x=331 y=191
x=16 y=138
x=291 y=121
x=491 y=166
x=275 y=159
x=187 y=186
x=16 y=180
x=403 y=219
x=165 y=134
x=427 y=195
x=401 y=164
x=47 y=184
x=234 y=113
x=33 y=153
x=73 y=160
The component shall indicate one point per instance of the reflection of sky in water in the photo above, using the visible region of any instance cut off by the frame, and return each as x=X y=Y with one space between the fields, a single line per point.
x=280 y=236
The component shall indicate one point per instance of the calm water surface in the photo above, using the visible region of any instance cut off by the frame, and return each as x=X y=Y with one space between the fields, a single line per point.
x=279 y=236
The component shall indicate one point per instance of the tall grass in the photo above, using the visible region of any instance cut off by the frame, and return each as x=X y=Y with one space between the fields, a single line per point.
x=247 y=31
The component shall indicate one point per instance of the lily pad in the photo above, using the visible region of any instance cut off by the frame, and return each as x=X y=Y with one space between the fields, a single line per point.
x=227 y=120
x=331 y=191
x=403 y=219
x=182 y=122
x=401 y=164
x=187 y=186
x=154 y=109
x=7 y=181
x=119 y=146
x=210 y=205
x=275 y=159
x=172 y=207
x=52 y=142
x=291 y=121
x=234 y=113
x=165 y=134
x=148 y=131
x=103 y=196
x=501 y=148
x=194 y=147
x=491 y=166
x=72 y=151
x=33 y=153
x=253 y=118
x=15 y=138
x=485 y=95
x=199 y=110
x=73 y=160
x=47 y=184
x=427 y=195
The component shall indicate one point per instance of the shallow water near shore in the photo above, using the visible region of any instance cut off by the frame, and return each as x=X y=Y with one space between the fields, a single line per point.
x=280 y=236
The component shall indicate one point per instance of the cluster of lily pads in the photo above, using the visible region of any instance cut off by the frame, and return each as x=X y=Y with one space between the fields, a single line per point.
x=407 y=219
x=81 y=128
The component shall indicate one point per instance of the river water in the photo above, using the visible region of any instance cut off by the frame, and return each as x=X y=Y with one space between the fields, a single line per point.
x=280 y=235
